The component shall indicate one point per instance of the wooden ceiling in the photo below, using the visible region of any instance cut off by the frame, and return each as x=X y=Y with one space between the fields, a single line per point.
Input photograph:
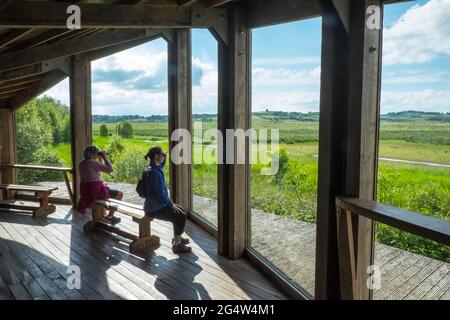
x=19 y=85
x=35 y=42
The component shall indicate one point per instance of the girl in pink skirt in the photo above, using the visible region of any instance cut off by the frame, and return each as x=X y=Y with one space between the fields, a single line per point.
x=92 y=186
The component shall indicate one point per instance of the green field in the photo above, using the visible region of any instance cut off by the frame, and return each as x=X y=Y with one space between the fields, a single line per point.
x=290 y=192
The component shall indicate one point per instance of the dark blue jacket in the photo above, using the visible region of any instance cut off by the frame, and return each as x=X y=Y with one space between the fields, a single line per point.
x=156 y=185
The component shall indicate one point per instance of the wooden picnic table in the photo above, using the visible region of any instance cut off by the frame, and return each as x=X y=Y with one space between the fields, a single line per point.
x=64 y=171
x=41 y=194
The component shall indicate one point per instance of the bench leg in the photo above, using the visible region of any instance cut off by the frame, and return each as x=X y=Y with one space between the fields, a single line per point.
x=44 y=207
x=98 y=213
x=145 y=239
x=44 y=211
x=142 y=243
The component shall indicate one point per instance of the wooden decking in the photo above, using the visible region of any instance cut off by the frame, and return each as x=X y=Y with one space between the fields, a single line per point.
x=35 y=255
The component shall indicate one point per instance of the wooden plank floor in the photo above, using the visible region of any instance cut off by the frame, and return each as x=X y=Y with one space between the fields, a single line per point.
x=35 y=255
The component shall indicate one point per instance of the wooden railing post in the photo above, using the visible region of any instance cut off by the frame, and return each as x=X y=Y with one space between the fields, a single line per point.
x=350 y=210
x=7 y=146
x=347 y=254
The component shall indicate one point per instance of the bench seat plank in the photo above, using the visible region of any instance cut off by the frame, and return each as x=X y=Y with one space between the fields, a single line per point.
x=144 y=240
x=17 y=187
x=123 y=207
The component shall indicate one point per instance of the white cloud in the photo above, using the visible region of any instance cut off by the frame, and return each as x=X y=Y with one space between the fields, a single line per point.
x=420 y=34
x=280 y=61
x=204 y=95
x=285 y=101
x=425 y=100
x=284 y=77
x=60 y=92
x=415 y=77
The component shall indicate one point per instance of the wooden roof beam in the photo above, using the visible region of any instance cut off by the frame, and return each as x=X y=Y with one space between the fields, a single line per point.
x=26 y=14
x=20 y=73
x=187 y=3
x=13 y=36
x=4 y=4
x=216 y=3
x=22 y=58
x=51 y=79
x=40 y=39
x=35 y=69
x=15 y=88
x=16 y=82
x=269 y=12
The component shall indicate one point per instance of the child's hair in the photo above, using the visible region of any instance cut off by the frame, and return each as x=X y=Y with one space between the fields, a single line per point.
x=90 y=151
x=152 y=152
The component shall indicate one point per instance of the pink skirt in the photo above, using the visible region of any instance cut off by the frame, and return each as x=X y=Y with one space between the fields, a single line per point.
x=91 y=191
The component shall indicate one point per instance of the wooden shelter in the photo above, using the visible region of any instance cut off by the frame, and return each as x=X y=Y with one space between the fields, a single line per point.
x=37 y=50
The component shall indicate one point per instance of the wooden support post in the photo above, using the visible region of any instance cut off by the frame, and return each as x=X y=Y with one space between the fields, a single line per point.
x=348 y=137
x=80 y=114
x=363 y=129
x=331 y=135
x=7 y=147
x=234 y=113
x=180 y=112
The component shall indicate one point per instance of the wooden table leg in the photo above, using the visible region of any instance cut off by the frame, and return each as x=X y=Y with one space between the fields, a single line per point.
x=44 y=207
x=69 y=188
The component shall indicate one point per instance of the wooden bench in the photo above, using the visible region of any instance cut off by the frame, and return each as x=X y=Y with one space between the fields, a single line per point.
x=144 y=240
x=64 y=171
x=41 y=195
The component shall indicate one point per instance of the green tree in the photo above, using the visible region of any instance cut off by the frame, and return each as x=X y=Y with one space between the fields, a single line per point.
x=34 y=138
x=103 y=130
x=56 y=115
x=115 y=149
x=125 y=129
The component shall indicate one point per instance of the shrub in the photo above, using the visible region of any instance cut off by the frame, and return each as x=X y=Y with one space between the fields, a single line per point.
x=103 y=130
x=115 y=149
x=125 y=129
x=128 y=167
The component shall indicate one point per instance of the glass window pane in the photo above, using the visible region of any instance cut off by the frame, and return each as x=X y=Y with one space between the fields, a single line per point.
x=204 y=118
x=414 y=155
x=285 y=101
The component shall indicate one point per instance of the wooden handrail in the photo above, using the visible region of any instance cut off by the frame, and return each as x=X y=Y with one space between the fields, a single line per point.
x=63 y=170
x=351 y=274
x=421 y=225
x=36 y=167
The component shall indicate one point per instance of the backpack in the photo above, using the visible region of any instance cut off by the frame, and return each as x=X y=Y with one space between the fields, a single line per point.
x=141 y=188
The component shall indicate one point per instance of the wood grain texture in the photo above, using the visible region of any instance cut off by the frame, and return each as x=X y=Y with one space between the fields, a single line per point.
x=180 y=114
x=80 y=114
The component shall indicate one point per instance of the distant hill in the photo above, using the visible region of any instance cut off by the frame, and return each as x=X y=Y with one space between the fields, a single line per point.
x=416 y=115
x=281 y=116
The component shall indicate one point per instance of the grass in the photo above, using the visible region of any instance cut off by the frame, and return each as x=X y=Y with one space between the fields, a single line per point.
x=292 y=192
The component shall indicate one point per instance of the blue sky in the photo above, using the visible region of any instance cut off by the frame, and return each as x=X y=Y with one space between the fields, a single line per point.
x=286 y=67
